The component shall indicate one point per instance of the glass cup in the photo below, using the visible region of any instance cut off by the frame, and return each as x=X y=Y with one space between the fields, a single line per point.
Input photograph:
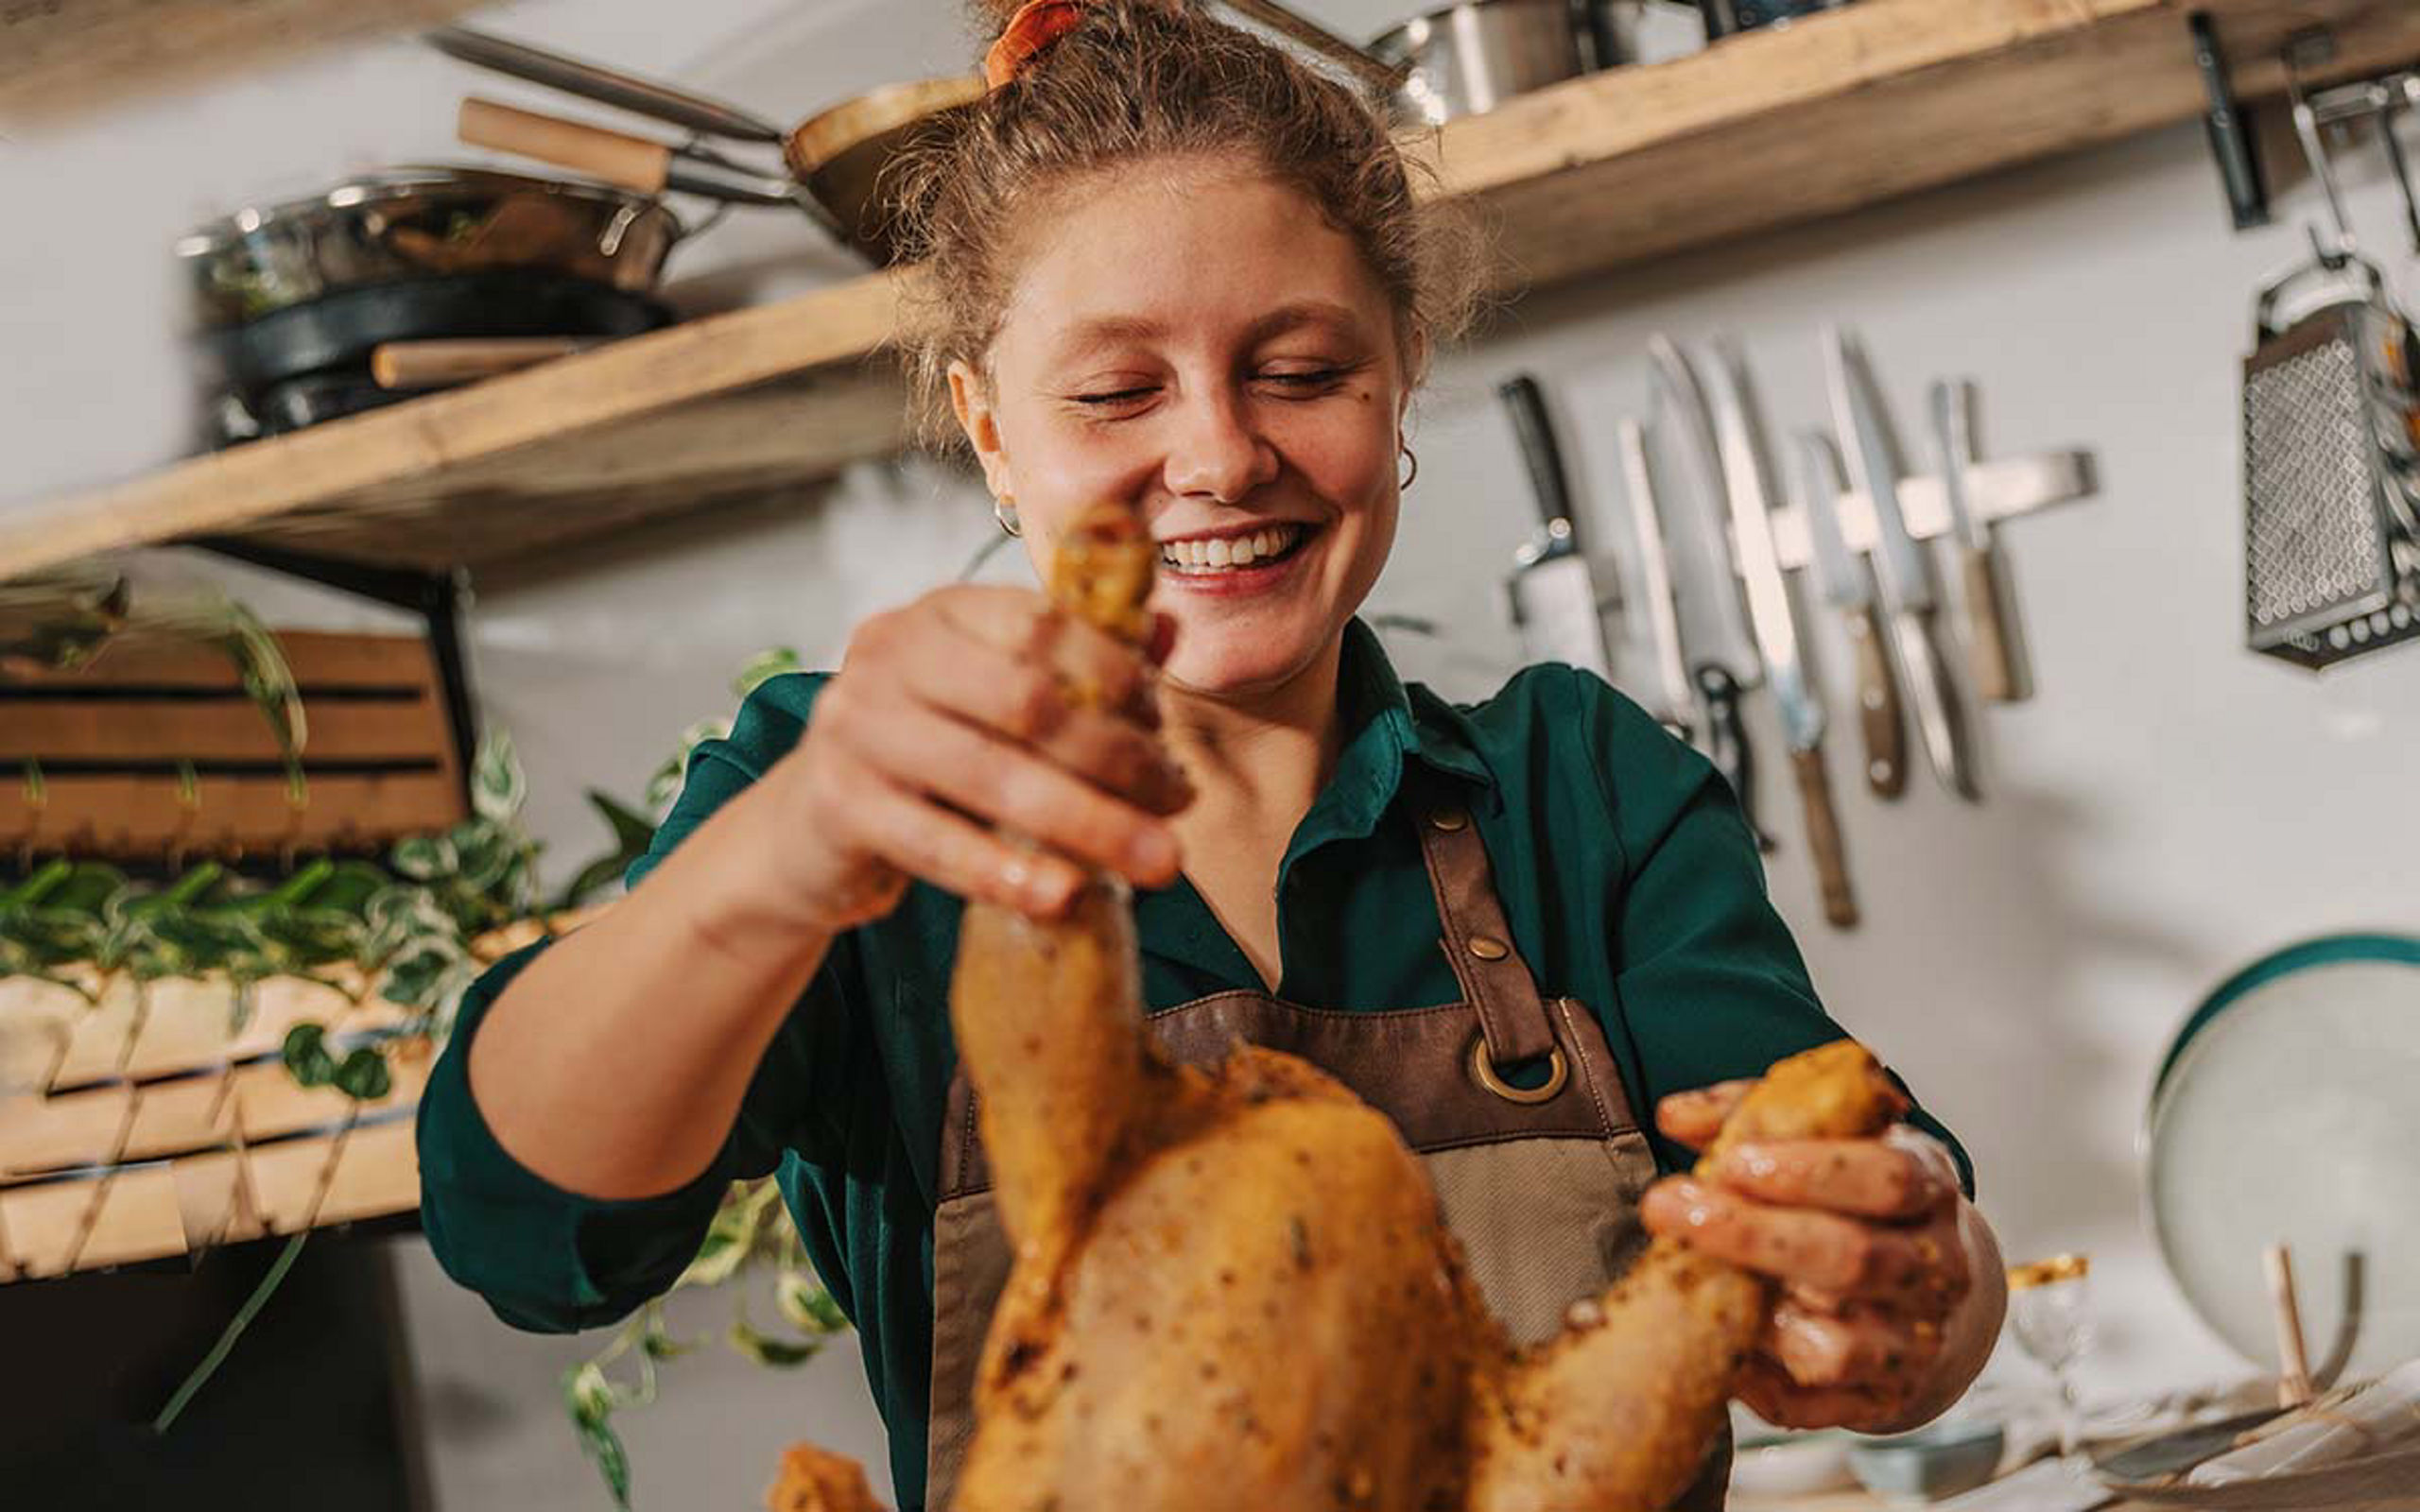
x=2050 y=1308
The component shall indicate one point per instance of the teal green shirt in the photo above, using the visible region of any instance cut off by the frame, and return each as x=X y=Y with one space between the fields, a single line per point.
x=1626 y=874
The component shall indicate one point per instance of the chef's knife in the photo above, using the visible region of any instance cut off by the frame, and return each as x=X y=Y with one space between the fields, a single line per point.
x=1725 y=737
x=1842 y=577
x=1750 y=497
x=1990 y=643
x=1906 y=581
x=1554 y=593
x=1655 y=566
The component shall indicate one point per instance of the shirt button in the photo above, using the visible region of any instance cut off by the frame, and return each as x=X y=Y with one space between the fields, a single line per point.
x=1488 y=948
x=1449 y=821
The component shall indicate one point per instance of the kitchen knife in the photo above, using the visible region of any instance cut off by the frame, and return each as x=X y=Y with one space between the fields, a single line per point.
x=1758 y=569
x=1990 y=643
x=1553 y=590
x=1847 y=588
x=1725 y=737
x=1655 y=566
x=1907 y=586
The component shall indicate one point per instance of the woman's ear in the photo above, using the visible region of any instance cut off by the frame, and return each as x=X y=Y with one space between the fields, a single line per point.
x=969 y=399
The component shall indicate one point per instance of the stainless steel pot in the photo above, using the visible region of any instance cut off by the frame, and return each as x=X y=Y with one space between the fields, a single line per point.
x=1470 y=57
x=421 y=222
x=1473 y=57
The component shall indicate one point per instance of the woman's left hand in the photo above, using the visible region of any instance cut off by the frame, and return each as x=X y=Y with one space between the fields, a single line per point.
x=1868 y=1240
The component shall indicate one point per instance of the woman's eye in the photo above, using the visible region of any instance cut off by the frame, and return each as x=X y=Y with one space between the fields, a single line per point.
x=1114 y=396
x=1312 y=381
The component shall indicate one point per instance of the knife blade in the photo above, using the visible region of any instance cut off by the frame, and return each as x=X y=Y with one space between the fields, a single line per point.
x=1908 y=596
x=1663 y=614
x=1724 y=734
x=1553 y=588
x=1720 y=630
x=1990 y=645
x=1848 y=588
x=1759 y=581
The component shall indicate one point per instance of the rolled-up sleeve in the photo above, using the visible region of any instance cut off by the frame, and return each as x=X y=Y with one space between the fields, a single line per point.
x=550 y=1259
x=1712 y=984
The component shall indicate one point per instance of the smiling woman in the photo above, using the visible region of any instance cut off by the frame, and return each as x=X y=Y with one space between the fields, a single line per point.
x=1175 y=273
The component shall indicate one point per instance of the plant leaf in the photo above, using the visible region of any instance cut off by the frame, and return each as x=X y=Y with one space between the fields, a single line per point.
x=363 y=1076
x=498 y=787
x=765 y=666
x=718 y=1260
x=782 y=1353
x=807 y=1304
x=305 y=1053
x=422 y=857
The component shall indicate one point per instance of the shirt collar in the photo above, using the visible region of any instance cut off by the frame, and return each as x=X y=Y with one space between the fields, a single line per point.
x=1385 y=724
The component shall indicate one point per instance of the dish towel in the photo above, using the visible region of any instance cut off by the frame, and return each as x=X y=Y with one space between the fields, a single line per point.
x=2383 y=1415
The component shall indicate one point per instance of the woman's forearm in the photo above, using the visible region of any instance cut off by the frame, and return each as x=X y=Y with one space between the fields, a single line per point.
x=613 y=1065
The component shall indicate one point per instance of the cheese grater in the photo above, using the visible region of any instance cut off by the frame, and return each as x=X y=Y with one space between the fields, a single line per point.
x=2331 y=548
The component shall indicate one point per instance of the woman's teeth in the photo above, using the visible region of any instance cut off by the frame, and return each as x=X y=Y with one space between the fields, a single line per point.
x=1231 y=551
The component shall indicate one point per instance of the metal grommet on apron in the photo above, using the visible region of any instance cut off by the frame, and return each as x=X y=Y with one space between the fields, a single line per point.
x=1541 y=1184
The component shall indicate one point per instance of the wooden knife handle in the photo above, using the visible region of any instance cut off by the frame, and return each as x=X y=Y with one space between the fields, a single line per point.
x=1823 y=837
x=1994 y=658
x=1878 y=709
x=633 y=163
x=434 y=364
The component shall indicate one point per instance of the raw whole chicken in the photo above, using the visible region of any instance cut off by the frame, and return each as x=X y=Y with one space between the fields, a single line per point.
x=1232 y=1289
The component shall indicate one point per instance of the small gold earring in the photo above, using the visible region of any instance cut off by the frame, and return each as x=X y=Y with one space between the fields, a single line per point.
x=1005 y=511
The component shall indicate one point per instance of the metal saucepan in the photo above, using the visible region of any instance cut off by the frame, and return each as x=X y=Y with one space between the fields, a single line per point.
x=1470 y=57
x=413 y=223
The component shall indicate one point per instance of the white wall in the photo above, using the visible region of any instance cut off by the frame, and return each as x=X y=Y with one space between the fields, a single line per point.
x=2167 y=807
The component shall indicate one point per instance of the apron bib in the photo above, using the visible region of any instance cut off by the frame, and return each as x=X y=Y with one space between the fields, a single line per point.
x=1540 y=1185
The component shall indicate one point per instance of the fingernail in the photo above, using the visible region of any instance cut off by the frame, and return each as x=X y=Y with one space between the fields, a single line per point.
x=1049 y=889
x=1151 y=854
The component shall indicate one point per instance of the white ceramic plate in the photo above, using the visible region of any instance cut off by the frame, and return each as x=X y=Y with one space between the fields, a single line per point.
x=2288 y=1109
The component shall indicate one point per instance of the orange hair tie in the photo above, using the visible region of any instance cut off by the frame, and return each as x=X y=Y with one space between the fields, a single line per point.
x=1036 y=25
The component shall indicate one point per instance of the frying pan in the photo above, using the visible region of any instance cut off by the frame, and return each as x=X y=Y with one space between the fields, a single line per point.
x=833 y=158
x=403 y=224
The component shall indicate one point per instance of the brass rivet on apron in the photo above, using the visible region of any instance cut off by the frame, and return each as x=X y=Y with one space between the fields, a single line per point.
x=1482 y=1070
x=1488 y=948
x=1449 y=821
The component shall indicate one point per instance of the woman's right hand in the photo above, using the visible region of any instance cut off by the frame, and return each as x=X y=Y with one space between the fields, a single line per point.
x=973 y=711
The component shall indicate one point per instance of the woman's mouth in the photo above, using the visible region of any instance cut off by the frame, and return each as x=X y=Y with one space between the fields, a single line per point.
x=1223 y=556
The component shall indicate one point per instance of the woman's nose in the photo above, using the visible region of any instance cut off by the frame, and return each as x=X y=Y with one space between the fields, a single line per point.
x=1215 y=449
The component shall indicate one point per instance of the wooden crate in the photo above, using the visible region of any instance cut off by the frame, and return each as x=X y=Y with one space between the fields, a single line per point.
x=136 y=1128
x=176 y=1207
x=130 y=1135
x=154 y=751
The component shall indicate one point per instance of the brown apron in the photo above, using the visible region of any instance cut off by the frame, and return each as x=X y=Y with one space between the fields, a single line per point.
x=1541 y=1186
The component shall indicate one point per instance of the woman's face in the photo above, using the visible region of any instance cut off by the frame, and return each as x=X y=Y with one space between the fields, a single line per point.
x=1202 y=348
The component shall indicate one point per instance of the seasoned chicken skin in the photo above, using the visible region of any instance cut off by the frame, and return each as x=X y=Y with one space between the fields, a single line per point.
x=1233 y=1288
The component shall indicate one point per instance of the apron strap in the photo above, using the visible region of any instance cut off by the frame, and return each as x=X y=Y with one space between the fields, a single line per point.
x=1479 y=943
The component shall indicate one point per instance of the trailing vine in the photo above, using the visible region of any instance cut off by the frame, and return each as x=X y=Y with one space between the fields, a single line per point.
x=414 y=928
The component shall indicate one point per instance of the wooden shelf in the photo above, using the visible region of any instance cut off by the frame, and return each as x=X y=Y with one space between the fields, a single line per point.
x=64 y=59
x=1841 y=110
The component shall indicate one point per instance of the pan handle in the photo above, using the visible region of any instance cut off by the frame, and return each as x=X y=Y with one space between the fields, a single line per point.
x=632 y=163
x=605 y=86
x=435 y=364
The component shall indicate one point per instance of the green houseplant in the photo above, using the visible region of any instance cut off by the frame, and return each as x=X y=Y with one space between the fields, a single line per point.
x=414 y=928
